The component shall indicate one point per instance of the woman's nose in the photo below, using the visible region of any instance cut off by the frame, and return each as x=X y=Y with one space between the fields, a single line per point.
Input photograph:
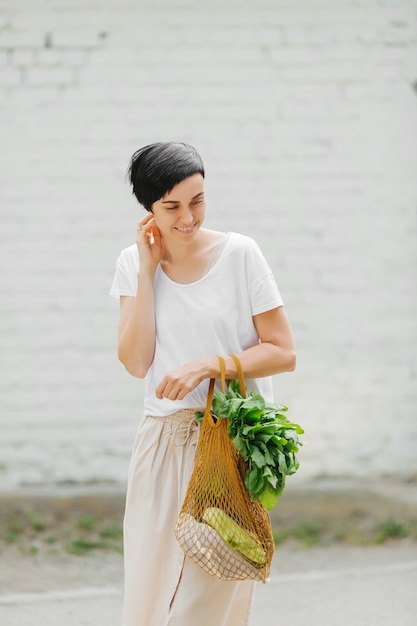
x=187 y=216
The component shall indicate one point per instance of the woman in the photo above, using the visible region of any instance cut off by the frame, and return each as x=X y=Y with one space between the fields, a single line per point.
x=186 y=294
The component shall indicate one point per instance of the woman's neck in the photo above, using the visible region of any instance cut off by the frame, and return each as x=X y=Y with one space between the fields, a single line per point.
x=175 y=253
x=187 y=264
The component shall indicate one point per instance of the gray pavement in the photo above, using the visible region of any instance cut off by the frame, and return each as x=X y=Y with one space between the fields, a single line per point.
x=325 y=586
x=335 y=585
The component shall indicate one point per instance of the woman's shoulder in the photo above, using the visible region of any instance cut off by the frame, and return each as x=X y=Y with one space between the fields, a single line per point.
x=129 y=254
x=236 y=239
x=130 y=251
x=128 y=260
x=233 y=245
x=244 y=243
x=242 y=239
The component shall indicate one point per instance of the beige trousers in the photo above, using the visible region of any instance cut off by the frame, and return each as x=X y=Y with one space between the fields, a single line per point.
x=162 y=586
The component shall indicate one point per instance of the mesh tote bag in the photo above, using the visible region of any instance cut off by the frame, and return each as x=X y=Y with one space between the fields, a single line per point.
x=220 y=526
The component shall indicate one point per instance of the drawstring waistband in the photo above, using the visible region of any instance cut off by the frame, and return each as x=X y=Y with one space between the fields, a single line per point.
x=181 y=425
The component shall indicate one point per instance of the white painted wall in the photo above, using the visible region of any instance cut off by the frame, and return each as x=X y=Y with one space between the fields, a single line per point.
x=305 y=114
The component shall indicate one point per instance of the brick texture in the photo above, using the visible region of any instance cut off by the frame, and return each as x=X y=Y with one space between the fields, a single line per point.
x=305 y=114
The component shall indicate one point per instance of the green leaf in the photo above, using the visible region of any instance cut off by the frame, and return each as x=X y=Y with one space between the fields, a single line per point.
x=269 y=497
x=220 y=405
x=291 y=447
x=276 y=408
x=267 y=429
x=273 y=481
x=235 y=405
x=255 y=399
x=258 y=458
x=254 y=481
x=276 y=441
x=290 y=433
x=263 y=438
x=241 y=445
x=282 y=464
x=234 y=389
x=268 y=456
x=250 y=415
x=246 y=430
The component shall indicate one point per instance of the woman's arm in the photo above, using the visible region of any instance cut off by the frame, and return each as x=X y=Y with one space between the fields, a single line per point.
x=136 y=342
x=274 y=354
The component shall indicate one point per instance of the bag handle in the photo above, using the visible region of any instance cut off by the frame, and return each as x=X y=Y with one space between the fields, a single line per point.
x=240 y=376
x=222 y=364
x=207 y=412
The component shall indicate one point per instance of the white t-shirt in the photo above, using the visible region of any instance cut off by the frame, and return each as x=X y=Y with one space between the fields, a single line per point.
x=209 y=317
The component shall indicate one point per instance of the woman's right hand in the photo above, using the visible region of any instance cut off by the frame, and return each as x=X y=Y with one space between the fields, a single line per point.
x=149 y=243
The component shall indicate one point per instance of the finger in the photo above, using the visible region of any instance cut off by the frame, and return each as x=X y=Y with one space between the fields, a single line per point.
x=148 y=221
x=183 y=389
x=143 y=224
x=158 y=392
x=156 y=233
x=148 y=231
x=150 y=234
x=164 y=389
x=172 y=392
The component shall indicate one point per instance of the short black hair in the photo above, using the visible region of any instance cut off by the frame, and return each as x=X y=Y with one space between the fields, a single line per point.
x=155 y=170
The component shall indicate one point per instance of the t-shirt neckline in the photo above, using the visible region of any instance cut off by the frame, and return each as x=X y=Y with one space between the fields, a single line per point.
x=223 y=244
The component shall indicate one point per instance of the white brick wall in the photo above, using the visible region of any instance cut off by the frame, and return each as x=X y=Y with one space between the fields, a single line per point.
x=305 y=115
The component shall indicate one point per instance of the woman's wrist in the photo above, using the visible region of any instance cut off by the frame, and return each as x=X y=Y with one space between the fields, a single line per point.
x=147 y=274
x=211 y=367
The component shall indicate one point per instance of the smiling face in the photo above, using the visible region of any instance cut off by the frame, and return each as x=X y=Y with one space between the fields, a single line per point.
x=180 y=213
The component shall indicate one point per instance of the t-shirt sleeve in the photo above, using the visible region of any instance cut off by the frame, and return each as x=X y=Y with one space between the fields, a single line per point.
x=263 y=290
x=125 y=278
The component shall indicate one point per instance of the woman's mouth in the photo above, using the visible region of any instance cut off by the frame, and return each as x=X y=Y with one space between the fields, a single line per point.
x=188 y=229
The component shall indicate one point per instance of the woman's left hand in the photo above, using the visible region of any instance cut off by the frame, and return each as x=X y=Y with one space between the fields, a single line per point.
x=176 y=384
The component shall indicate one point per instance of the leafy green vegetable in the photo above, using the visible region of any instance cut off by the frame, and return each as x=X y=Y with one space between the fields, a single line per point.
x=266 y=439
